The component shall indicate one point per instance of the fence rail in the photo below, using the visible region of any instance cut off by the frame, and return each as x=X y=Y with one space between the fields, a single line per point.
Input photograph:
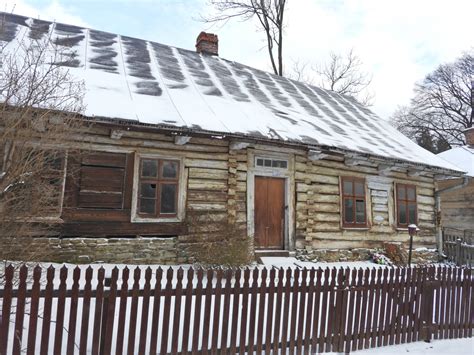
x=458 y=245
x=170 y=311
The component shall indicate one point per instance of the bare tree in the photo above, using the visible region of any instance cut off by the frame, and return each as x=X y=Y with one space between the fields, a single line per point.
x=442 y=106
x=301 y=71
x=344 y=74
x=39 y=102
x=270 y=15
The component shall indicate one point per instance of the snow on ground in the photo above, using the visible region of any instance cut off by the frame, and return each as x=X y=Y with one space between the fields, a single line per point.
x=464 y=346
x=285 y=262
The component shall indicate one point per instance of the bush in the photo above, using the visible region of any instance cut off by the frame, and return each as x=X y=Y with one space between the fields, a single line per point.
x=228 y=247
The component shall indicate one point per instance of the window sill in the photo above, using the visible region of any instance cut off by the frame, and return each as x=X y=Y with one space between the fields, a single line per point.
x=356 y=228
x=156 y=220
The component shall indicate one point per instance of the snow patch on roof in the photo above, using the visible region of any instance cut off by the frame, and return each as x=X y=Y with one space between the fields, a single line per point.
x=151 y=83
x=462 y=157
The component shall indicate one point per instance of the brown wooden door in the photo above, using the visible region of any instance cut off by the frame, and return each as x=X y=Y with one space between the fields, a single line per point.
x=269 y=212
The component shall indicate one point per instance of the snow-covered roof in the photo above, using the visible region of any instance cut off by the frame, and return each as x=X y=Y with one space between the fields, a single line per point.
x=152 y=83
x=462 y=157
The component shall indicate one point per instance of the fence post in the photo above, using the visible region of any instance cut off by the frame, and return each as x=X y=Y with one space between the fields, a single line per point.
x=427 y=304
x=103 y=321
x=458 y=252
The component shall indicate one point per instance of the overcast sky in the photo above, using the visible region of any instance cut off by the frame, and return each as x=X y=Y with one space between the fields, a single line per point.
x=399 y=41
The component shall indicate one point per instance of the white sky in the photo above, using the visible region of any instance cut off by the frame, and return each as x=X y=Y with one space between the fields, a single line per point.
x=398 y=41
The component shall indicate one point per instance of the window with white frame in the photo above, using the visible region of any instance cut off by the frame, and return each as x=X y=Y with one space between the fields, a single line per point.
x=158 y=188
x=271 y=163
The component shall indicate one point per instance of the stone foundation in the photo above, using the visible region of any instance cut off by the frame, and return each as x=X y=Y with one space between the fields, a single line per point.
x=419 y=256
x=334 y=255
x=94 y=250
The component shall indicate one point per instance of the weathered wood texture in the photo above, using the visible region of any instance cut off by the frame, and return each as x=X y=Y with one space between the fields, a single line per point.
x=457 y=207
x=98 y=198
x=458 y=246
x=338 y=311
x=318 y=208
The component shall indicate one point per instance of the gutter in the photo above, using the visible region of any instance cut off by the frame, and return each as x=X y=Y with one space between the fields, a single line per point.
x=439 y=239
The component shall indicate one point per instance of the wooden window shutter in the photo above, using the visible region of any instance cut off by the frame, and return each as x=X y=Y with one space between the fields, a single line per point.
x=101 y=180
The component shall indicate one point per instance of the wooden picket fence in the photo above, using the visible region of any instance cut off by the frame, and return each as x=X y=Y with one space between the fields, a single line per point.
x=80 y=310
x=458 y=246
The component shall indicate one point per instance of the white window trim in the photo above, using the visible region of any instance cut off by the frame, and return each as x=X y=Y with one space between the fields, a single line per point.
x=265 y=157
x=135 y=217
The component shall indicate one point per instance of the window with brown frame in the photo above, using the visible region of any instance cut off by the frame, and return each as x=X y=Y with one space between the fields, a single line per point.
x=406 y=205
x=353 y=202
x=158 y=188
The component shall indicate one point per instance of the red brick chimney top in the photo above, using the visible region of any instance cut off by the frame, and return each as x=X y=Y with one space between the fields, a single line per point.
x=469 y=133
x=207 y=43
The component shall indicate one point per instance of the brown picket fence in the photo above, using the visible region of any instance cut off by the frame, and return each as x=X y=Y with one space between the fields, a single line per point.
x=458 y=246
x=175 y=310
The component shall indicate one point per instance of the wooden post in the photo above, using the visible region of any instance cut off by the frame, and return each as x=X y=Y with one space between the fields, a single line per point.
x=427 y=302
x=457 y=258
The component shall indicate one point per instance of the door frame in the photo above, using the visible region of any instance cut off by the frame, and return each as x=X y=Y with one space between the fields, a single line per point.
x=288 y=176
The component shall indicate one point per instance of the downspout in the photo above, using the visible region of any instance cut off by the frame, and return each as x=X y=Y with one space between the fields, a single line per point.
x=439 y=231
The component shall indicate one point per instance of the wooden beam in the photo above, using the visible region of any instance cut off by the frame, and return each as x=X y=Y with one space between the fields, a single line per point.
x=384 y=169
x=116 y=133
x=412 y=172
x=238 y=145
x=354 y=161
x=181 y=140
x=316 y=155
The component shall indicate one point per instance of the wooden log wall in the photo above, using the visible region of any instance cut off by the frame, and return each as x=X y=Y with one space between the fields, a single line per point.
x=318 y=207
x=210 y=171
x=457 y=207
x=215 y=185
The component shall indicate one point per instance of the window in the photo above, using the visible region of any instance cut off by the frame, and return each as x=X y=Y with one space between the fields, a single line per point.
x=353 y=202
x=158 y=188
x=406 y=205
x=271 y=163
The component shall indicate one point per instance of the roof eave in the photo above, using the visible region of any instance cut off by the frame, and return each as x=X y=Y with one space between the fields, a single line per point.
x=294 y=144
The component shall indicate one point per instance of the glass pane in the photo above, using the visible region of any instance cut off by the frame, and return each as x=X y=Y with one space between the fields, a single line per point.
x=268 y=162
x=402 y=214
x=283 y=164
x=170 y=169
x=412 y=213
x=147 y=205
x=401 y=192
x=168 y=198
x=259 y=162
x=347 y=187
x=348 y=211
x=359 y=189
x=149 y=168
x=360 y=211
x=148 y=190
x=410 y=194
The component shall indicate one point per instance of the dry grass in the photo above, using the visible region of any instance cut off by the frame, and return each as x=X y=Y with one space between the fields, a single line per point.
x=229 y=247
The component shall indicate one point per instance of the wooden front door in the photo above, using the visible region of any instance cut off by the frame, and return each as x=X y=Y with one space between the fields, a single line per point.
x=269 y=212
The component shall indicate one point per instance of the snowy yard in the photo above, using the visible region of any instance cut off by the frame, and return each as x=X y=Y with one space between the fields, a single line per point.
x=440 y=347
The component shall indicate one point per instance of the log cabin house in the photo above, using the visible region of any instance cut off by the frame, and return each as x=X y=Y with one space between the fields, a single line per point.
x=457 y=194
x=180 y=134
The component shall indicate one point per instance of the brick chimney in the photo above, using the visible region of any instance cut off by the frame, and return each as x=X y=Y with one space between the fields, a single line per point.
x=469 y=133
x=207 y=43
